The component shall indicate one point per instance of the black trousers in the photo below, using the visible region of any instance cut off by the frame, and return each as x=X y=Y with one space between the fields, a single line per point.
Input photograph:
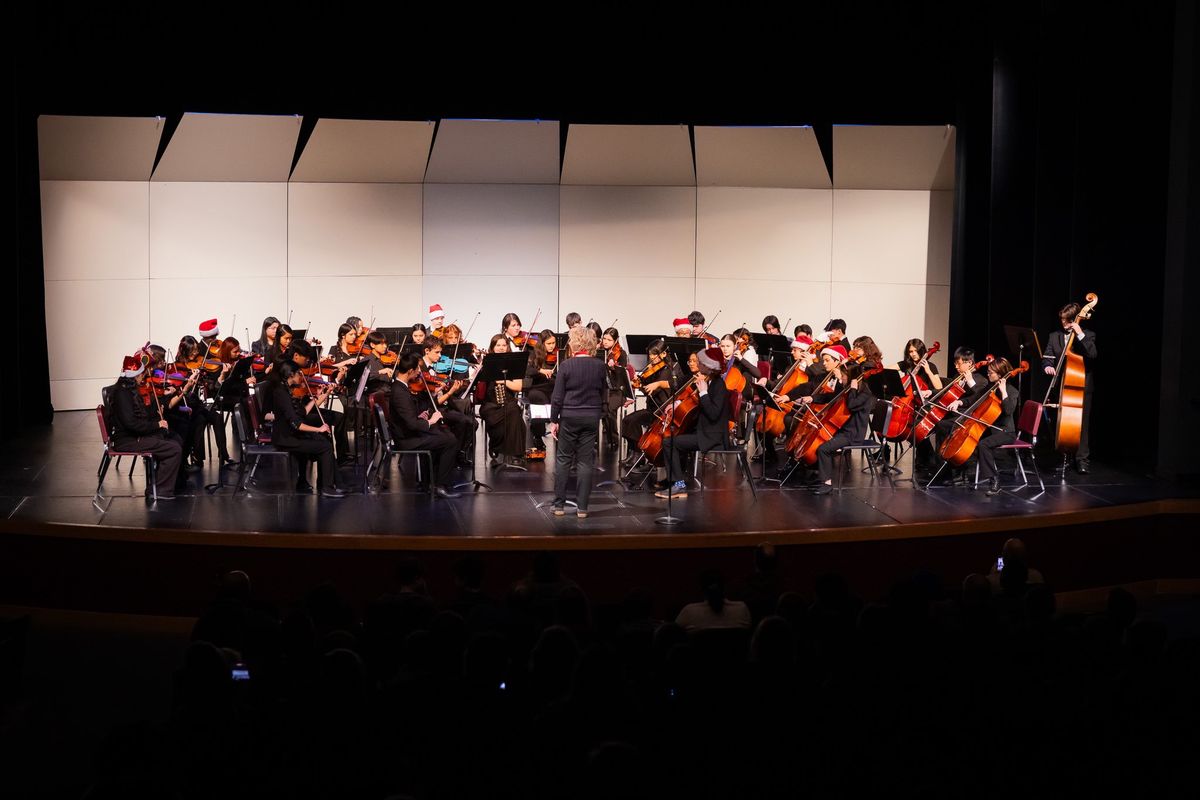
x=576 y=446
x=313 y=447
x=987 y=452
x=676 y=448
x=442 y=444
x=612 y=404
x=205 y=418
x=825 y=454
x=168 y=455
x=335 y=420
x=462 y=426
x=635 y=424
x=505 y=427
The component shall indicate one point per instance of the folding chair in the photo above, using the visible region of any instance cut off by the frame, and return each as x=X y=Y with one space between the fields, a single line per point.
x=381 y=412
x=110 y=451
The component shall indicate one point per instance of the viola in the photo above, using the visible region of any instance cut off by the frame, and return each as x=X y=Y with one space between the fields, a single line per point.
x=975 y=423
x=424 y=382
x=312 y=384
x=389 y=358
x=935 y=408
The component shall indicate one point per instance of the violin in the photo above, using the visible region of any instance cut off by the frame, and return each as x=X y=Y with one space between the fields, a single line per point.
x=424 y=382
x=524 y=339
x=313 y=383
x=459 y=367
x=649 y=372
x=389 y=358
x=614 y=355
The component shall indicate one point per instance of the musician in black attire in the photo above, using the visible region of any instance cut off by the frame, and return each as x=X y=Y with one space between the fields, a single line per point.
x=1084 y=345
x=304 y=355
x=997 y=372
x=421 y=430
x=923 y=375
x=859 y=402
x=540 y=374
x=575 y=408
x=138 y=428
x=270 y=327
x=815 y=370
x=712 y=423
x=616 y=377
x=463 y=426
x=658 y=387
x=976 y=384
x=291 y=433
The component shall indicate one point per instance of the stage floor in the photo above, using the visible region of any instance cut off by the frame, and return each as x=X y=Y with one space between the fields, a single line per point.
x=49 y=476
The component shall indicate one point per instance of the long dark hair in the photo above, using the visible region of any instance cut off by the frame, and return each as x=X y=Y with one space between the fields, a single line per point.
x=262 y=339
x=921 y=349
x=509 y=318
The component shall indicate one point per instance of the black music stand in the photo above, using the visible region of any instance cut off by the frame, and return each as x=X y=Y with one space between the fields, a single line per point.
x=396 y=335
x=503 y=366
x=772 y=348
x=1021 y=339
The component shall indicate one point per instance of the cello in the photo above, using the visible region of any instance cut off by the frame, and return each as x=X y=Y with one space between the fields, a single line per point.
x=1068 y=424
x=936 y=407
x=904 y=409
x=772 y=421
x=975 y=422
x=671 y=419
x=818 y=427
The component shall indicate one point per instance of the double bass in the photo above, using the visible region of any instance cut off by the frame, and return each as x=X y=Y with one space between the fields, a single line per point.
x=1068 y=425
x=974 y=423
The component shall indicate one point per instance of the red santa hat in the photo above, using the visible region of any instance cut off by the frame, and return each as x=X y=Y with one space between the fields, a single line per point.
x=209 y=328
x=133 y=366
x=836 y=350
x=802 y=342
x=681 y=323
x=436 y=311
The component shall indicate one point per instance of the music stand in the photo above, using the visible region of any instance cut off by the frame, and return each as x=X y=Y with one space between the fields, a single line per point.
x=682 y=347
x=1020 y=339
x=771 y=346
x=503 y=366
x=395 y=336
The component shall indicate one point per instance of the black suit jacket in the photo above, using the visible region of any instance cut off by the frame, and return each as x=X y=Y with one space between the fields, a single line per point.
x=712 y=428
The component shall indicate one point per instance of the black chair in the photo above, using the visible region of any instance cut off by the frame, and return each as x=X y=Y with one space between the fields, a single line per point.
x=735 y=400
x=381 y=412
x=255 y=443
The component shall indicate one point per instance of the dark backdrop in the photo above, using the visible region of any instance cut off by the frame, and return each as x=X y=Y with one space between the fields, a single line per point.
x=1073 y=131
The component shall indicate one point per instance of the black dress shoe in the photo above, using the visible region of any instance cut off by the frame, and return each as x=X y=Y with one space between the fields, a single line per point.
x=444 y=493
x=993 y=487
x=824 y=488
x=334 y=492
x=303 y=487
x=1081 y=466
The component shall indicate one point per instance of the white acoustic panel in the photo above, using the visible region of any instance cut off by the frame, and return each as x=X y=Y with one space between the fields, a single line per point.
x=751 y=156
x=492 y=297
x=941 y=237
x=880 y=236
x=219 y=230
x=365 y=151
x=494 y=151
x=230 y=147
x=740 y=300
x=110 y=316
x=628 y=155
x=343 y=229
x=765 y=234
x=889 y=314
x=179 y=305
x=628 y=232
x=476 y=229
x=95 y=229
x=97 y=148
x=85 y=393
x=893 y=156
x=937 y=324
x=326 y=302
x=647 y=309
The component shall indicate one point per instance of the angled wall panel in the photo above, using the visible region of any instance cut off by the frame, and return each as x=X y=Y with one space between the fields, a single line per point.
x=230 y=147
x=759 y=156
x=345 y=229
x=494 y=151
x=97 y=148
x=365 y=151
x=628 y=155
x=893 y=156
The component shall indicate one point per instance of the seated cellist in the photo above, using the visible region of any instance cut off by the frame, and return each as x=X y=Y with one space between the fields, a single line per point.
x=712 y=424
x=859 y=401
